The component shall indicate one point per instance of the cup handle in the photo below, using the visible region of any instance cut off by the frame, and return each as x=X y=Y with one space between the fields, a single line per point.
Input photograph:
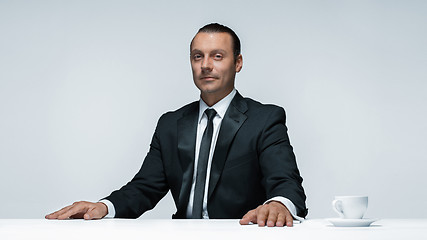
x=337 y=206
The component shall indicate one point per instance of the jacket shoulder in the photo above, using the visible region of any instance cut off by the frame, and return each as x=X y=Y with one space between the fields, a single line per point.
x=257 y=106
x=179 y=113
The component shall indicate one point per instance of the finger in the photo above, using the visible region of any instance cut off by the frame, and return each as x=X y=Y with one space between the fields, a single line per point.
x=272 y=217
x=289 y=220
x=248 y=218
x=262 y=214
x=281 y=219
x=76 y=211
x=55 y=215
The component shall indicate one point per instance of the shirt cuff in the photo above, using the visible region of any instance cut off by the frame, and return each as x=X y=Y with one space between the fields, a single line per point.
x=110 y=207
x=288 y=204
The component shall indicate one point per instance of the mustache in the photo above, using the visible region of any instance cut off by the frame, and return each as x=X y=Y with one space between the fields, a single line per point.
x=209 y=76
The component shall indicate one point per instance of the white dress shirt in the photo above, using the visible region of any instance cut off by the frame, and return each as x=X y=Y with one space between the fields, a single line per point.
x=221 y=108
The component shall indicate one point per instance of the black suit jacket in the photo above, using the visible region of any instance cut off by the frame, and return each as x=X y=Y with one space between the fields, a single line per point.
x=253 y=161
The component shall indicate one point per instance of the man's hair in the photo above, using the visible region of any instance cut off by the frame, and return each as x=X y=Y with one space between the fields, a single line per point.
x=218 y=28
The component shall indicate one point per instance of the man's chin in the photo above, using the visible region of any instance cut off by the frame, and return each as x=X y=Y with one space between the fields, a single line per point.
x=208 y=91
x=207 y=88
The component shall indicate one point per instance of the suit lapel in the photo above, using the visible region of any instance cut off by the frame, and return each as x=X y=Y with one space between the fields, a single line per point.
x=233 y=120
x=187 y=130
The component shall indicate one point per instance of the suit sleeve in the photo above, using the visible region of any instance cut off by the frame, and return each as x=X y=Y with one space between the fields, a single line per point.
x=146 y=189
x=281 y=176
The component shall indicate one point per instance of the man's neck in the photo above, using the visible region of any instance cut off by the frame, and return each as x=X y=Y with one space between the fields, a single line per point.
x=212 y=98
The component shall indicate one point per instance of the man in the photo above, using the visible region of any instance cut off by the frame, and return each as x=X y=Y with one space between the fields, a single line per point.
x=224 y=156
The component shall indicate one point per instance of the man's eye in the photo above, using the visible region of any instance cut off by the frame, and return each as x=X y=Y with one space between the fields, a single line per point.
x=197 y=57
x=218 y=56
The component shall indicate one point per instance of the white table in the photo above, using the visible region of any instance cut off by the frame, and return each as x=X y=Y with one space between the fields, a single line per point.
x=204 y=229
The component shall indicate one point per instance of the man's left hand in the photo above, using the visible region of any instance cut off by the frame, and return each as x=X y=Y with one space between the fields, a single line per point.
x=271 y=214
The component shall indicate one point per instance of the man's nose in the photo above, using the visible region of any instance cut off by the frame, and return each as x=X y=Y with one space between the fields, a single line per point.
x=207 y=64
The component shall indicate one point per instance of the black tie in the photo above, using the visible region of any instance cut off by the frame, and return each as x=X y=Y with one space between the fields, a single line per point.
x=202 y=165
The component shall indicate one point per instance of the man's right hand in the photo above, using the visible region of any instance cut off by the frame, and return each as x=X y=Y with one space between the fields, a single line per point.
x=86 y=210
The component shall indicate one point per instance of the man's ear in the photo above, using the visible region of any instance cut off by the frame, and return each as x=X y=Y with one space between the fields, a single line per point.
x=239 y=63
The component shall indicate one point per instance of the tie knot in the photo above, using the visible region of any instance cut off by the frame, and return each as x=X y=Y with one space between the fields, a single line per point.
x=210 y=113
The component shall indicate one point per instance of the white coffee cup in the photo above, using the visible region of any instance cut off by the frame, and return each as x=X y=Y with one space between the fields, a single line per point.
x=350 y=207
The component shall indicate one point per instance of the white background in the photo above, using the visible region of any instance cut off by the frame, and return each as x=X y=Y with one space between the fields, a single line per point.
x=82 y=84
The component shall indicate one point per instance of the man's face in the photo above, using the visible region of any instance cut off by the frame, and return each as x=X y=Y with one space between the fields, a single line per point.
x=213 y=64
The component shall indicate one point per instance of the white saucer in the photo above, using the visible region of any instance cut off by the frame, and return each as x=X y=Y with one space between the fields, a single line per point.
x=342 y=222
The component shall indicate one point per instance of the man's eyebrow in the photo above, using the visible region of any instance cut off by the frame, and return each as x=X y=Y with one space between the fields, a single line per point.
x=195 y=51
x=219 y=50
x=212 y=51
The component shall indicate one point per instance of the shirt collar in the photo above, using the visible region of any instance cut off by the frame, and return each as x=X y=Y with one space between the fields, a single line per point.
x=220 y=107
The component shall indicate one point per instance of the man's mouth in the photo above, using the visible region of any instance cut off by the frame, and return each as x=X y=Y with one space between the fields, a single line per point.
x=208 y=78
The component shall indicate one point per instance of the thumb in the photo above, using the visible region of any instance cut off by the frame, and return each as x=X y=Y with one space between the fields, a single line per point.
x=87 y=216
x=97 y=211
x=92 y=213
